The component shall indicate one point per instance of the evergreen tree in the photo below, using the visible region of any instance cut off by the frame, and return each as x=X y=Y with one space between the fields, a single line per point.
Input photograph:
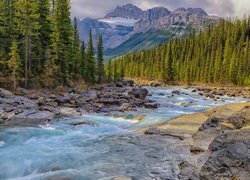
x=76 y=54
x=90 y=61
x=27 y=20
x=43 y=40
x=83 y=61
x=100 y=65
x=63 y=22
x=218 y=55
x=14 y=63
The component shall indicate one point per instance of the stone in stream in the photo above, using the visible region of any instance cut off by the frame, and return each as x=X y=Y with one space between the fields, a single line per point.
x=151 y=105
x=176 y=92
x=140 y=93
x=79 y=123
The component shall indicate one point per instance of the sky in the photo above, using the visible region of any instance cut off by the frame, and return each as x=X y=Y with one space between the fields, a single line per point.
x=99 y=8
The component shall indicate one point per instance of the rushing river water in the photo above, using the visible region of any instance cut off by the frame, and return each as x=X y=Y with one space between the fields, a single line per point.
x=107 y=149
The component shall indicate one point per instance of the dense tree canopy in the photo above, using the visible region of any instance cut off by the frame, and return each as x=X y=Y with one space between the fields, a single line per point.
x=220 y=55
x=40 y=45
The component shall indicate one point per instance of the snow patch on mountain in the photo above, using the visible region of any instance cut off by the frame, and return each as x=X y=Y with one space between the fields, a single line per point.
x=119 y=21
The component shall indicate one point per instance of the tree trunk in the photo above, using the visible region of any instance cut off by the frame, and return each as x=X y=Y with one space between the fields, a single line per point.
x=26 y=60
x=14 y=81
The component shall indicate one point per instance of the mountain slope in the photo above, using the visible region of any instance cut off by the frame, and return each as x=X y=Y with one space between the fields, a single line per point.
x=128 y=28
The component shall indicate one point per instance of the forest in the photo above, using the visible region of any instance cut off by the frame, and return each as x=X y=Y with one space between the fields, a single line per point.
x=220 y=56
x=40 y=46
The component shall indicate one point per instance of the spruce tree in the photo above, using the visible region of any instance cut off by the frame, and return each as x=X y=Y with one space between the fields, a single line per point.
x=100 y=65
x=14 y=63
x=83 y=60
x=90 y=61
x=63 y=22
x=43 y=40
x=76 y=55
x=27 y=20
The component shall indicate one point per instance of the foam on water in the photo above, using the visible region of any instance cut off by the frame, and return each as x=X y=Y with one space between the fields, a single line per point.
x=92 y=151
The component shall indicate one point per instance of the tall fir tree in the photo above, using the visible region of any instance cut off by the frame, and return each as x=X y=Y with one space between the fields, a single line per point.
x=63 y=22
x=27 y=20
x=14 y=63
x=83 y=60
x=90 y=61
x=100 y=64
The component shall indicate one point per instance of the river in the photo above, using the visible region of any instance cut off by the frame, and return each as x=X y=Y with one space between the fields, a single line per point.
x=110 y=147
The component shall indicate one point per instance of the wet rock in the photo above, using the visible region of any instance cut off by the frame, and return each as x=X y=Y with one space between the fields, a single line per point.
x=111 y=101
x=140 y=93
x=66 y=111
x=30 y=118
x=151 y=105
x=155 y=84
x=122 y=178
x=130 y=83
x=119 y=84
x=176 y=93
x=52 y=103
x=184 y=104
x=5 y=93
x=79 y=123
x=126 y=106
x=42 y=101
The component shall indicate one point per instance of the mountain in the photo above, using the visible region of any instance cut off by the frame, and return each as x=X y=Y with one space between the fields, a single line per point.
x=127 y=11
x=128 y=28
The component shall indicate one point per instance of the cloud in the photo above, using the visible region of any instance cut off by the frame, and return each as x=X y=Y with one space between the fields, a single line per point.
x=98 y=8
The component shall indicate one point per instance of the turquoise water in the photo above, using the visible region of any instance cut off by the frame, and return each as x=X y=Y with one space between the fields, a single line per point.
x=104 y=150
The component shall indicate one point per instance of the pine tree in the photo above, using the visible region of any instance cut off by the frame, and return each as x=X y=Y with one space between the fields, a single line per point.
x=76 y=55
x=27 y=20
x=43 y=40
x=90 y=61
x=52 y=64
x=63 y=22
x=83 y=61
x=100 y=65
x=14 y=63
x=109 y=71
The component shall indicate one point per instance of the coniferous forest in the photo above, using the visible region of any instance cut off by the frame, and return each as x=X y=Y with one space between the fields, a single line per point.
x=220 y=55
x=40 y=46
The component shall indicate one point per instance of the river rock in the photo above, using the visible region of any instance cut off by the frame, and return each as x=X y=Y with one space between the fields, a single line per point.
x=151 y=105
x=79 y=123
x=140 y=93
x=126 y=106
x=184 y=104
x=21 y=91
x=230 y=157
x=5 y=93
x=176 y=92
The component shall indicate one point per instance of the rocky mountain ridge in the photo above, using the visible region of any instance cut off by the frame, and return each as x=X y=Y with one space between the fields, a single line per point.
x=125 y=21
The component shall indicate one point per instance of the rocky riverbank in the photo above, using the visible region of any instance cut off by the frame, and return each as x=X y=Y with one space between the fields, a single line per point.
x=219 y=141
x=204 y=90
x=31 y=107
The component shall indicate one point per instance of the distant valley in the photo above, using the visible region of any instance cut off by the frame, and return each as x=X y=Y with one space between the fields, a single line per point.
x=128 y=28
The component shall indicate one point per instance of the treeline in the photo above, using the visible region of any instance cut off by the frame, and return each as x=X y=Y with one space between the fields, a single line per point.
x=220 y=55
x=40 y=45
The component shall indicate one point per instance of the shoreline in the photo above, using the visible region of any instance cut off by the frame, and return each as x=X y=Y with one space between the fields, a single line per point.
x=205 y=135
x=210 y=135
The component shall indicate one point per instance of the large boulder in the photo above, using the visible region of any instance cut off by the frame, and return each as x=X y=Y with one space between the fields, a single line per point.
x=140 y=93
x=230 y=157
x=30 y=118
x=5 y=93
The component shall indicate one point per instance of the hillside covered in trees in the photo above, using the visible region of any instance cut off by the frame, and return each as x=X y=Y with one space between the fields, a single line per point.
x=40 y=46
x=220 y=55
